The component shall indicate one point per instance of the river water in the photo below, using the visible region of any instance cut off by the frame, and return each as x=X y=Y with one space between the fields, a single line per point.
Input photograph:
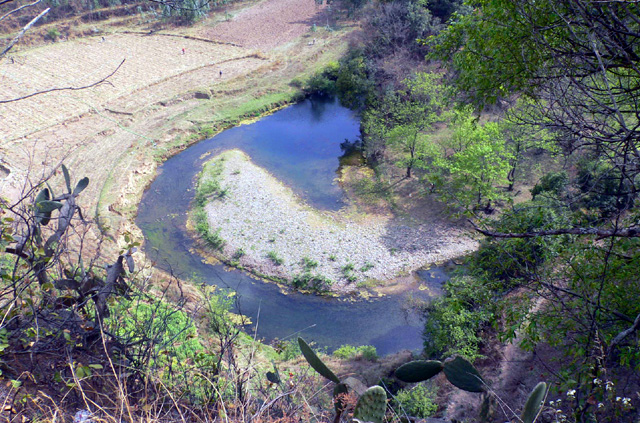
x=300 y=145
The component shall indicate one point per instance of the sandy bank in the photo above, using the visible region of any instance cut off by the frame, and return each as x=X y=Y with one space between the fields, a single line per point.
x=265 y=219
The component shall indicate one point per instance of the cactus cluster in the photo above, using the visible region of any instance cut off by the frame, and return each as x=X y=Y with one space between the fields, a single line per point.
x=371 y=405
x=461 y=374
x=458 y=371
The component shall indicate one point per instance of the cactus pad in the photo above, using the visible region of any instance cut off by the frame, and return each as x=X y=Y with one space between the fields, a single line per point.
x=463 y=375
x=273 y=377
x=534 y=403
x=371 y=406
x=419 y=370
x=315 y=362
x=42 y=217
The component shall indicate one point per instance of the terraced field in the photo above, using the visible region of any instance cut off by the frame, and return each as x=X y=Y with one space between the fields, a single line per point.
x=173 y=83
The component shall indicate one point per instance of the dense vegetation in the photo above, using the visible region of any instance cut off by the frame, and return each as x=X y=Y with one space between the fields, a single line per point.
x=523 y=118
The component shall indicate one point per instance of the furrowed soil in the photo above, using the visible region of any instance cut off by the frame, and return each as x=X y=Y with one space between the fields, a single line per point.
x=174 y=86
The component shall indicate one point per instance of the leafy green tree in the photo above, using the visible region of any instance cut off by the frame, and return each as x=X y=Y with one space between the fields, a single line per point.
x=402 y=119
x=470 y=167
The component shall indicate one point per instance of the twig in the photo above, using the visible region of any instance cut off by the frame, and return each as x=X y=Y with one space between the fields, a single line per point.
x=66 y=88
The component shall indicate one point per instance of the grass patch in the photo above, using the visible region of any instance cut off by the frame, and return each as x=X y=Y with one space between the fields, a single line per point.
x=307 y=280
x=366 y=267
x=308 y=264
x=348 y=352
x=212 y=238
x=209 y=183
x=275 y=258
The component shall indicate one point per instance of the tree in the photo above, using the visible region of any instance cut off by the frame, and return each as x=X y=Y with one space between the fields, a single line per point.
x=470 y=167
x=575 y=63
x=402 y=118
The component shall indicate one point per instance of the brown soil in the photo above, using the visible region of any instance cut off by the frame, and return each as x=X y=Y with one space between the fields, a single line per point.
x=269 y=24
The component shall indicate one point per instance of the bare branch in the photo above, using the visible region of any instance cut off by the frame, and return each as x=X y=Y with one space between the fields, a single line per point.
x=21 y=33
x=622 y=335
x=66 y=88
x=19 y=9
x=599 y=232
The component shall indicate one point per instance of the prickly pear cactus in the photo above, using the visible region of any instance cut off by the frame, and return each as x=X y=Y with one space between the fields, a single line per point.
x=273 y=377
x=315 y=362
x=534 y=403
x=463 y=375
x=371 y=406
x=419 y=370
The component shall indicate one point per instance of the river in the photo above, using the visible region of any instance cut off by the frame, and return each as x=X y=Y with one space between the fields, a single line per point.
x=300 y=145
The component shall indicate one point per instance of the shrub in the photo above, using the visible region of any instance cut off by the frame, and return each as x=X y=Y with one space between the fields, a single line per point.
x=454 y=320
x=554 y=183
x=347 y=352
x=52 y=34
x=308 y=280
x=308 y=263
x=418 y=401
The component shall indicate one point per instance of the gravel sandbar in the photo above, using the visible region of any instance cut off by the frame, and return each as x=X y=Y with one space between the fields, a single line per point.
x=263 y=217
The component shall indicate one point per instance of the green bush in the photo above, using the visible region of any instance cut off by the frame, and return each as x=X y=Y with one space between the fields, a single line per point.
x=52 y=34
x=453 y=321
x=553 y=183
x=348 y=352
x=307 y=280
x=510 y=259
x=418 y=401
x=323 y=82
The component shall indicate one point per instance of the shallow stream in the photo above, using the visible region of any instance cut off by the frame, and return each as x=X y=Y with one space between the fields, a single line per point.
x=300 y=145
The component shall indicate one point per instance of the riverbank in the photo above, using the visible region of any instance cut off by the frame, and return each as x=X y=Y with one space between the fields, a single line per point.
x=259 y=224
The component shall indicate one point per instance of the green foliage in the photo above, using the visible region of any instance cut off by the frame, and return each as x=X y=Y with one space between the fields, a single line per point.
x=470 y=167
x=454 y=321
x=401 y=118
x=213 y=239
x=52 y=34
x=603 y=187
x=188 y=12
x=394 y=27
x=287 y=350
x=354 y=84
x=349 y=352
x=308 y=280
x=511 y=259
x=275 y=258
x=209 y=186
x=419 y=401
x=553 y=183
x=324 y=81
x=308 y=264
